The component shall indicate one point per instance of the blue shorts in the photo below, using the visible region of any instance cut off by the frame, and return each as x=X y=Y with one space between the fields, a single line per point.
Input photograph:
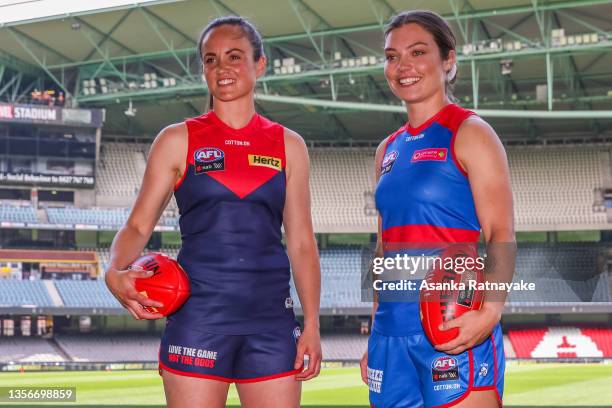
x=230 y=358
x=408 y=372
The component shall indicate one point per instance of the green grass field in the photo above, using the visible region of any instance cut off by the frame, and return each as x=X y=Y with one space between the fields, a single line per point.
x=526 y=385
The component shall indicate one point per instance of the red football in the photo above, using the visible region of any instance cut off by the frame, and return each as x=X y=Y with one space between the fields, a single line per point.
x=448 y=294
x=169 y=283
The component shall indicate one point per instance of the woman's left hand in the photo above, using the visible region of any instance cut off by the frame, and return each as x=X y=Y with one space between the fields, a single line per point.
x=474 y=327
x=309 y=344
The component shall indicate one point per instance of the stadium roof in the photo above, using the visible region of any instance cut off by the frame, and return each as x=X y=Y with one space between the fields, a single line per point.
x=123 y=43
x=16 y=12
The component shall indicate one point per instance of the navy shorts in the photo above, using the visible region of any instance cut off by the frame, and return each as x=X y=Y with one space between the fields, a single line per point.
x=408 y=372
x=230 y=358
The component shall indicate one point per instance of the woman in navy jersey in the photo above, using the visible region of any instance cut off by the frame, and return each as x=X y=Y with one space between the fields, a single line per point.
x=237 y=177
x=443 y=178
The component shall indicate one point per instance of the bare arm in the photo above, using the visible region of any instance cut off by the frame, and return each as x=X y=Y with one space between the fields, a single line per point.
x=481 y=154
x=302 y=250
x=164 y=167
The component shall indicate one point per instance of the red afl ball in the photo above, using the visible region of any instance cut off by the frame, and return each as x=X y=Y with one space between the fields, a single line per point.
x=449 y=293
x=169 y=283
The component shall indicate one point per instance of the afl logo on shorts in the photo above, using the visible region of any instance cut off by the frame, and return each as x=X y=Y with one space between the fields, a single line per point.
x=209 y=159
x=444 y=368
x=388 y=162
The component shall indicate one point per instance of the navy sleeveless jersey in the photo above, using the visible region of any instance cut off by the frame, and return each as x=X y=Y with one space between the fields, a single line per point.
x=231 y=201
x=424 y=199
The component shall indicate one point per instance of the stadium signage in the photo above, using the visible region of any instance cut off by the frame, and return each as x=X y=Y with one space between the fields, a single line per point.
x=51 y=115
x=45 y=179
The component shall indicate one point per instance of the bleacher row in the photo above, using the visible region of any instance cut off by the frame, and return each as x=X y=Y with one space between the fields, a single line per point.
x=553 y=187
x=101 y=217
x=562 y=342
x=545 y=343
x=565 y=273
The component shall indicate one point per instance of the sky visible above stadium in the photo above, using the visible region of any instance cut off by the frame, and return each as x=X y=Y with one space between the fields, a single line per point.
x=12 y=11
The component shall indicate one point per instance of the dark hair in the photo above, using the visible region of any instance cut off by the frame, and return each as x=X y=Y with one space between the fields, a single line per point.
x=247 y=28
x=436 y=26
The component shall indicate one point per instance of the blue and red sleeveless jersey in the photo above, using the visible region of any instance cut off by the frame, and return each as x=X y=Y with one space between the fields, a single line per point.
x=424 y=199
x=231 y=200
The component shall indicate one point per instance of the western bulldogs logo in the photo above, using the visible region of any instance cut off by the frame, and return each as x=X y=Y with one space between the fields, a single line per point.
x=444 y=368
x=209 y=159
x=484 y=370
x=388 y=162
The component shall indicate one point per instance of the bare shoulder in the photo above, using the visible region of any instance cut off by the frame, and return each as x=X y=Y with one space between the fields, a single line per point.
x=476 y=130
x=174 y=134
x=477 y=142
x=171 y=143
x=295 y=145
x=293 y=139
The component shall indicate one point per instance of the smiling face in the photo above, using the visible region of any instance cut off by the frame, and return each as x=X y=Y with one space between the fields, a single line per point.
x=228 y=65
x=414 y=68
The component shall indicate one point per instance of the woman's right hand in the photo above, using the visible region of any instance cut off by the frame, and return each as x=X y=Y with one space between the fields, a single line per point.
x=363 y=364
x=121 y=284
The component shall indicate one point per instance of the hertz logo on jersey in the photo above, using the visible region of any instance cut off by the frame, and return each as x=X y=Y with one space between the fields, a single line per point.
x=265 y=161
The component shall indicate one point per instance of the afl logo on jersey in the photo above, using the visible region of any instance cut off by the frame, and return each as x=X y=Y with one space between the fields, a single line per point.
x=388 y=162
x=209 y=159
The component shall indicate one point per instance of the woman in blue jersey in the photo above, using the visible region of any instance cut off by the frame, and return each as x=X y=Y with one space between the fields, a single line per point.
x=443 y=178
x=237 y=177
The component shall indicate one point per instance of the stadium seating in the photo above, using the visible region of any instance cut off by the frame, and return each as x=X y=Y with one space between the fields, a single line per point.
x=562 y=274
x=561 y=342
x=341 y=179
x=93 y=216
x=343 y=346
x=23 y=293
x=602 y=337
x=27 y=349
x=113 y=347
x=120 y=168
x=18 y=213
x=86 y=294
x=554 y=186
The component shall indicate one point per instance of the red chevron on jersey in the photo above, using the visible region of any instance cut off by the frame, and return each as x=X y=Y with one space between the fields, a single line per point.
x=243 y=159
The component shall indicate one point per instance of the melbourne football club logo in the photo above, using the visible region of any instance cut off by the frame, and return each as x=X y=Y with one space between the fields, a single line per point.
x=444 y=368
x=388 y=162
x=296 y=333
x=288 y=303
x=209 y=159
